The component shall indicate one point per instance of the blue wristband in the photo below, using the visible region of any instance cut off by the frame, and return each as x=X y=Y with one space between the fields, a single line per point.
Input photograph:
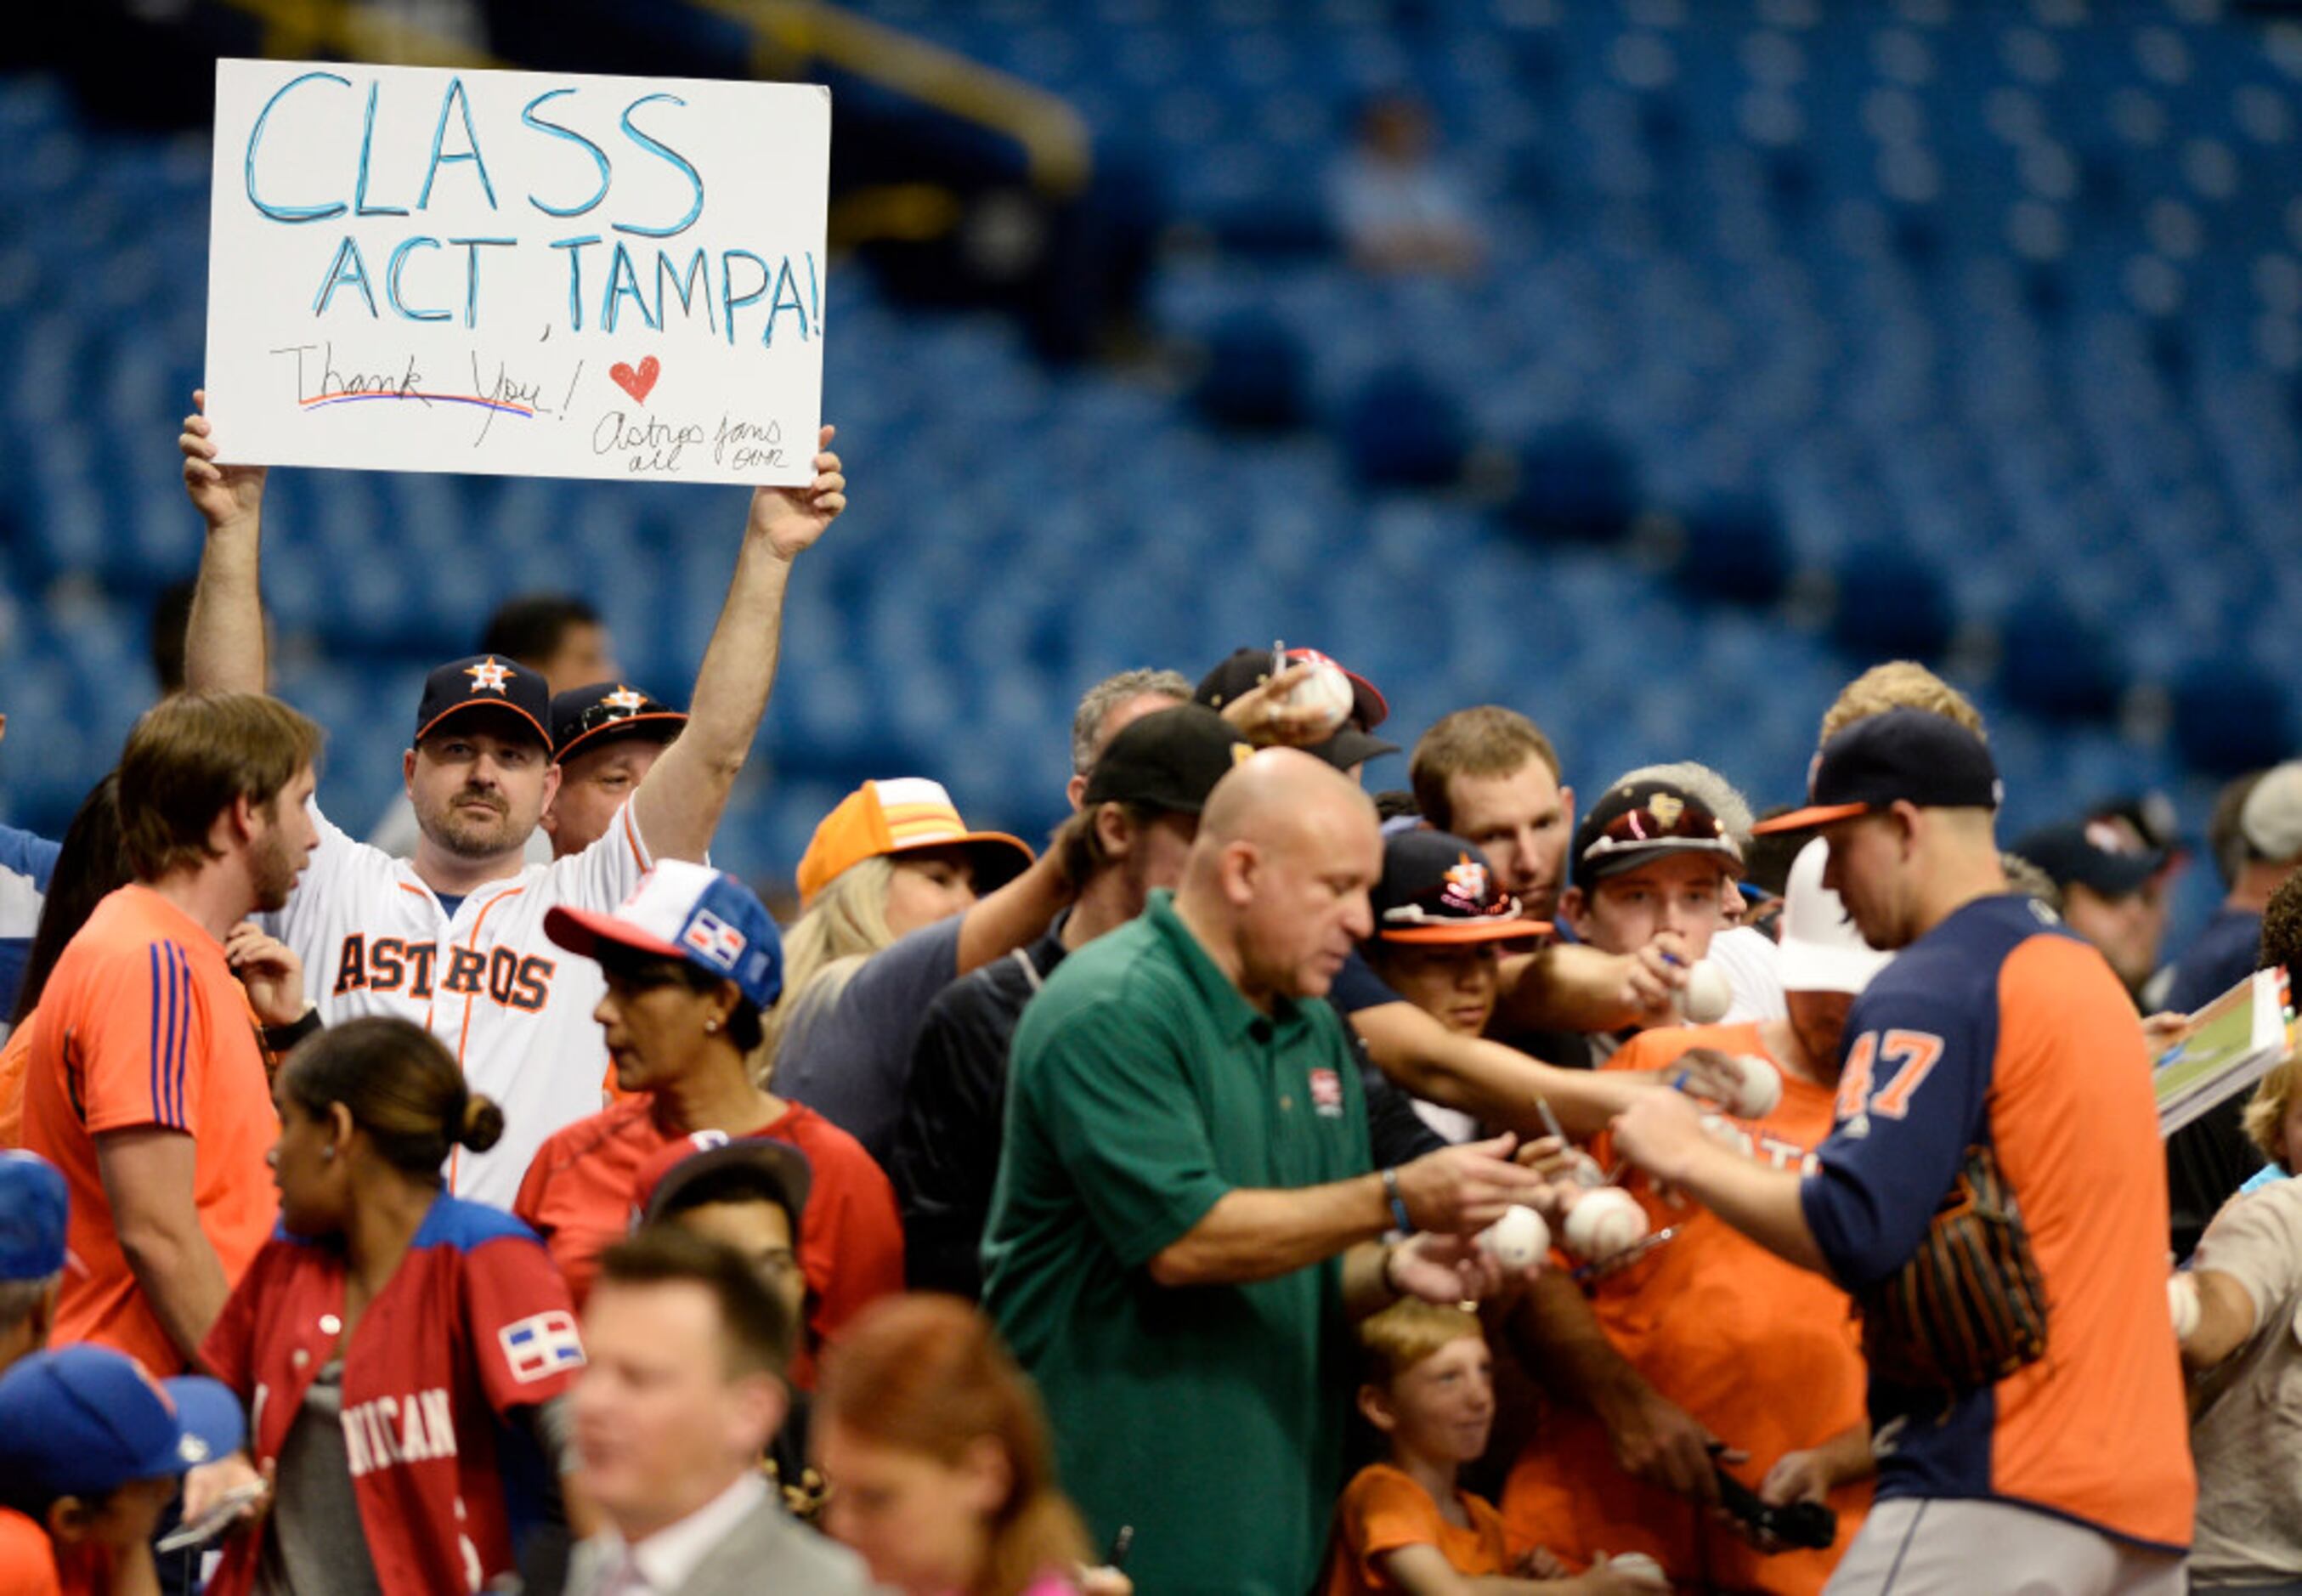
x=1398 y=1203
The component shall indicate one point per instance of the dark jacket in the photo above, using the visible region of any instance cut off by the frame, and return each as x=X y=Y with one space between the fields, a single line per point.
x=949 y=1133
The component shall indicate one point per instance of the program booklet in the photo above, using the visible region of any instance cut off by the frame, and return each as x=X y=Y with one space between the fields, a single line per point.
x=2228 y=1045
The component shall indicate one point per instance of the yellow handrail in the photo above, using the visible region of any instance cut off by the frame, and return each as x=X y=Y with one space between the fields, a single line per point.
x=333 y=28
x=784 y=33
x=1053 y=135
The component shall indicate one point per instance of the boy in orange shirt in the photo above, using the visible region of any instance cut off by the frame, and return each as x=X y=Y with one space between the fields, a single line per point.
x=1406 y=1525
x=1711 y=1338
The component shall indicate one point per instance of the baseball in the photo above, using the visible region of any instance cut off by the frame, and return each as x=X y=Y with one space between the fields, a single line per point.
x=1637 y=1566
x=1763 y=1087
x=1706 y=996
x=1326 y=690
x=1604 y=1223
x=1518 y=1240
x=2182 y=1302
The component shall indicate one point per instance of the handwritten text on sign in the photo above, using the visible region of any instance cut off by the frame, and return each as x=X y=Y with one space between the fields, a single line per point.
x=525 y=274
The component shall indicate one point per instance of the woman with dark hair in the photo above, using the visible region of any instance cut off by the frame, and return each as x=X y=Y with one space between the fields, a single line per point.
x=399 y=1348
x=693 y=962
x=90 y=863
x=945 y=1467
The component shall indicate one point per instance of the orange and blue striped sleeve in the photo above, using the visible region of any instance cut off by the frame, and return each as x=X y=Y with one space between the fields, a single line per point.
x=138 y=1050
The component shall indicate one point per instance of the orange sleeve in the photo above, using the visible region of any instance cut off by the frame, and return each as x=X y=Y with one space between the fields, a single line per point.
x=15 y=1066
x=28 y=1563
x=137 y=1035
x=1383 y=1511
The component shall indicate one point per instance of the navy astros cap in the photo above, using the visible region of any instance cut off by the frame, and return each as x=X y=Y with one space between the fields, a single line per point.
x=1169 y=760
x=485 y=682
x=609 y=712
x=1904 y=756
x=1437 y=888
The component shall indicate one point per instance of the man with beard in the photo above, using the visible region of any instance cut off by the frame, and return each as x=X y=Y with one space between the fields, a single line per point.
x=453 y=940
x=148 y=1086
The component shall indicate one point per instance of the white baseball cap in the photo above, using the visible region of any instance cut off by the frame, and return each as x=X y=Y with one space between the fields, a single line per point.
x=2272 y=816
x=1822 y=952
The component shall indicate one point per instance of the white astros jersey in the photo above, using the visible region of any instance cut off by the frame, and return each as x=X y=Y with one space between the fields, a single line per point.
x=513 y=1006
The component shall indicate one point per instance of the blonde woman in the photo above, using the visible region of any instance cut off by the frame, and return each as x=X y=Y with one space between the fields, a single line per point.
x=899 y=899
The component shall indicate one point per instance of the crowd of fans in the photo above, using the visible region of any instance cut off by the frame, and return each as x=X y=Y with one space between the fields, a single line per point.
x=511 y=1203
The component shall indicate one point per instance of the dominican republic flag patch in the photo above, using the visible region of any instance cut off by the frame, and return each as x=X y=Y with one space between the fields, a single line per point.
x=1327 y=1094
x=541 y=1345
x=715 y=939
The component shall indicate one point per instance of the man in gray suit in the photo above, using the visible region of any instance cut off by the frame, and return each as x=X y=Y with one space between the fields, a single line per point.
x=683 y=1388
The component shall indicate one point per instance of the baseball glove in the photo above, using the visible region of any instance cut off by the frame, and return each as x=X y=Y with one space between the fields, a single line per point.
x=1969 y=1307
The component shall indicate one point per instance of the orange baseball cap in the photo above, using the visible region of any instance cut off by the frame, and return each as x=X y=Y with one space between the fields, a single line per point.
x=900 y=817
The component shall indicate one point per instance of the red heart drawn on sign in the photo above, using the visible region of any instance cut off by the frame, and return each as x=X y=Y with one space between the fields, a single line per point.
x=637 y=383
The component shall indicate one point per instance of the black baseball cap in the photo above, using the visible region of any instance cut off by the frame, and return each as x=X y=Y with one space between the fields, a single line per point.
x=485 y=682
x=1246 y=668
x=782 y=1167
x=1636 y=821
x=1908 y=756
x=1437 y=888
x=609 y=712
x=1169 y=759
x=2089 y=853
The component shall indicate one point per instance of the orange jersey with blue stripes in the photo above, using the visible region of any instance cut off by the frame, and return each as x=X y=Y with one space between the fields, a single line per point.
x=2000 y=1028
x=143 y=1025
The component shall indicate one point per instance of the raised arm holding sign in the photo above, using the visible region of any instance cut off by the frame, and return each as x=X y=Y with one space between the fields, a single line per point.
x=453 y=939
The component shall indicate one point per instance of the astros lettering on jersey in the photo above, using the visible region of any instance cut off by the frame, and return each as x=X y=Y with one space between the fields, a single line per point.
x=485 y=980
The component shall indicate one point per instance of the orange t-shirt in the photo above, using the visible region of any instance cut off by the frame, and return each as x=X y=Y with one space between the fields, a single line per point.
x=28 y=1563
x=142 y=1025
x=15 y=1061
x=1763 y=1353
x=1384 y=1510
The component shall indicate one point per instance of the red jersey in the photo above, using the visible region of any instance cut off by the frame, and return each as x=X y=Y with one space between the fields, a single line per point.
x=142 y=1024
x=1763 y=1353
x=580 y=1192
x=475 y=1324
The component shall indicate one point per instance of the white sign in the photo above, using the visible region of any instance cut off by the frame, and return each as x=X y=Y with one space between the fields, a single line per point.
x=523 y=273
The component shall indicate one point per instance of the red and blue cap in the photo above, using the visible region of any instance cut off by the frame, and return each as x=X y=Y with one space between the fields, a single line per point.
x=690 y=911
x=85 y=1420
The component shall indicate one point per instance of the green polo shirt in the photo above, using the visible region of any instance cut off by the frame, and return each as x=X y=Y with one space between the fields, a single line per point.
x=1142 y=1087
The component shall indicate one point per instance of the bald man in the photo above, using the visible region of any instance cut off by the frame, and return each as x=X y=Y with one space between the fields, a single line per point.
x=1186 y=1215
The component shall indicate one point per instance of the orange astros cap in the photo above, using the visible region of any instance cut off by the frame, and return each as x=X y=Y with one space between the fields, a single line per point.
x=900 y=817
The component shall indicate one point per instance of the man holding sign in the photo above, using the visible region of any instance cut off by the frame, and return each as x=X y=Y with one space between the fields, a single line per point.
x=453 y=939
